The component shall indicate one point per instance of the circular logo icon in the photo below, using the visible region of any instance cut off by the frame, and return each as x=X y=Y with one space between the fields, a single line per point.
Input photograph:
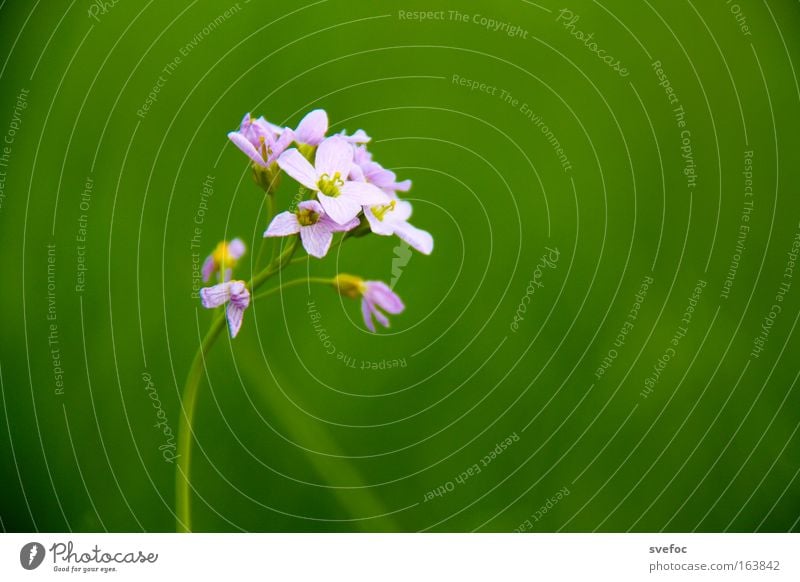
x=31 y=555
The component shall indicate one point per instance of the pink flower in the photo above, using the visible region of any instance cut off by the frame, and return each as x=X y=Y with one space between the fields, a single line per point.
x=376 y=297
x=223 y=259
x=392 y=219
x=315 y=227
x=313 y=127
x=232 y=293
x=341 y=199
x=364 y=169
x=262 y=141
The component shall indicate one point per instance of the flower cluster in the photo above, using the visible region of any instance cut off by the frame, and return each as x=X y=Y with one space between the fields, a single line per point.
x=345 y=191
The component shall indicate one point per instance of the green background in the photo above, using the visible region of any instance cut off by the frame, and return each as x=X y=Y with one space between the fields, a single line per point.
x=289 y=438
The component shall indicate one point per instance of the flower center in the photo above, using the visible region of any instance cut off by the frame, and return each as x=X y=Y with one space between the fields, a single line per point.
x=307 y=217
x=222 y=256
x=330 y=186
x=380 y=211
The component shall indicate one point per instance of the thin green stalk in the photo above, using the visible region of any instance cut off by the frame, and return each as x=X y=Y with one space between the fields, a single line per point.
x=270 y=204
x=190 y=390
x=185 y=421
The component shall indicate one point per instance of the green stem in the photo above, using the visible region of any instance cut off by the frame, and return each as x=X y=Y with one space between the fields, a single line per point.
x=272 y=213
x=185 y=421
x=190 y=390
x=270 y=204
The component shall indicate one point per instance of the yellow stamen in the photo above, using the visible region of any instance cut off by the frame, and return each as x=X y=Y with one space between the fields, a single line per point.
x=330 y=186
x=380 y=211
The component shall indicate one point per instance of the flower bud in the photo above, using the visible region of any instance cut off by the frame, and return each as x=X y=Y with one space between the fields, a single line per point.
x=349 y=285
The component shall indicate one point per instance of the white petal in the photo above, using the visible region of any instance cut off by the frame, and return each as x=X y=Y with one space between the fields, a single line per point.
x=283 y=225
x=380 y=227
x=293 y=163
x=215 y=296
x=341 y=208
x=235 y=316
x=416 y=237
x=334 y=155
x=316 y=239
x=312 y=128
x=244 y=144
x=364 y=194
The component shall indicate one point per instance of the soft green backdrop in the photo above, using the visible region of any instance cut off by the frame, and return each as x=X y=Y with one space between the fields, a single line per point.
x=291 y=438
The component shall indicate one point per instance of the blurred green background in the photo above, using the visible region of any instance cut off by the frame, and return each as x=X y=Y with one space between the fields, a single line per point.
x=290 y=438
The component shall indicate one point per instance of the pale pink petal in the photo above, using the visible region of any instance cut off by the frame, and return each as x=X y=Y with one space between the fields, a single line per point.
x=403 y=186
x=364 y=194
x=340 y=208
x=356 y=173
x=215 y=296
x=208 y=268
x=235 y=316
x=236 y=249
x=380 y=294
x=401 y=213
x=280 y=145
x=366 y=311
x=312 y=128
x=244 y=144
x=379 y=315
x=316 y=239
x=240 y=296
x=360 y=136
x=416 y=237
x=283 y=224
x=293 y=163
x=334 y=155
x=335 y=227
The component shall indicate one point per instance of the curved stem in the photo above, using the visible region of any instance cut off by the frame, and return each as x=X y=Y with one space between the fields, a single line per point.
x=185 y=422
x=189 y=396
